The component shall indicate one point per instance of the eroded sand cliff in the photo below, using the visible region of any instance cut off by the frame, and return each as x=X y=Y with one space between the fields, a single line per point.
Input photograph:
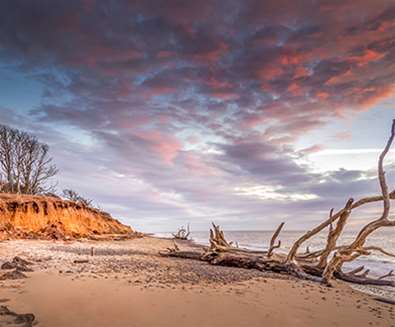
x=23 y=216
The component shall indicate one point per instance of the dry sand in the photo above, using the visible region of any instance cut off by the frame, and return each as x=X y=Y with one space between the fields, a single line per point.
x=126 y=284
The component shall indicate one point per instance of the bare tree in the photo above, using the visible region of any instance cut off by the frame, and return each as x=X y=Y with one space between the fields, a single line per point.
x=75 y=197
x=25 y=164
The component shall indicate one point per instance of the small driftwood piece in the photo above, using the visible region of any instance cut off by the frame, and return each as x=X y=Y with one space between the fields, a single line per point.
x=176 y=252
x=273 y=244
x=217 y=239
x=390 y=274
x=182 y=233
x=13 y=275
x=81 y=261
x=18 y=264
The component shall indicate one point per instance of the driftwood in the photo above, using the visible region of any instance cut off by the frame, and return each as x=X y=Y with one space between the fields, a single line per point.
x=217 y=239
x=80 y=261
x=12 y=275
x=323 y=265
x=24 y=320
x=384 y=300
x=182 y=233
x=18 y=264
x=273 y=244
x=390 y=274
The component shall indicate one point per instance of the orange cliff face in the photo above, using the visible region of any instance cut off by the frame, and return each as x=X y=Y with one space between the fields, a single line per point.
x=44 y=217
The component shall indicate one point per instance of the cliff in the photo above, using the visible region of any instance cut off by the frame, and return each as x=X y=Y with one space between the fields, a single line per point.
x=43 y=217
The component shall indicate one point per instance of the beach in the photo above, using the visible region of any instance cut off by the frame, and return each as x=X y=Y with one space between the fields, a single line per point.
x=127 y=283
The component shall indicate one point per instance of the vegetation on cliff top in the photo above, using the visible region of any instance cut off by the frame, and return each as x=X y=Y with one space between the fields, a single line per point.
x=26 y=167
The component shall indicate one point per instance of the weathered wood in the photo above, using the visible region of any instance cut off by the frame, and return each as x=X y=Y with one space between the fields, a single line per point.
x=384 y=300
x=182 y=233
x=356 y=248
x=334 y=233
x=356 y=270
x=273 y=244
x=193 y=255
x=314 y=231
x=363 y=280
x=217 y=240
x=80 y=261
x=390 y=274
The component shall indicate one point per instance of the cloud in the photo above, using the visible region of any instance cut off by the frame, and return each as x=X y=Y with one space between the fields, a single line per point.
x=189 y=101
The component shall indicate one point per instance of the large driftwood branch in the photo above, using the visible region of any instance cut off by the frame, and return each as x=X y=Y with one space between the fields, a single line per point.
x=331 y=220
x=318 y=254
x=314 y=231
x=364 y=280
x=371 y=199
x=334 y=234
x=273 y=244
x=376 y=248
x=356 y=247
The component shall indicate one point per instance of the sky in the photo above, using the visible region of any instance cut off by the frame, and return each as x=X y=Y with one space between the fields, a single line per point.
x=242 y=112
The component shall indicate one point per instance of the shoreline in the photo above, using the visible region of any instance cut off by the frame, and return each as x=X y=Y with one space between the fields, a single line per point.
x=383 y=293
x=126 y=283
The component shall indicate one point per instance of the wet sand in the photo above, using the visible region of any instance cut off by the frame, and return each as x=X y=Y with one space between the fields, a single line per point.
x=127 y=284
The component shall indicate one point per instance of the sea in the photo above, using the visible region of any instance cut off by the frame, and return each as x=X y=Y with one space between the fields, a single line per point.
x=377 y=263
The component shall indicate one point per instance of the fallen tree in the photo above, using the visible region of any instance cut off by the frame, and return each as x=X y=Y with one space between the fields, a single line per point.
x=322 y=266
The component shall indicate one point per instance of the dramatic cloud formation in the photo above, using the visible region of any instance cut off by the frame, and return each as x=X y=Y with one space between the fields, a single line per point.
x=169 y=110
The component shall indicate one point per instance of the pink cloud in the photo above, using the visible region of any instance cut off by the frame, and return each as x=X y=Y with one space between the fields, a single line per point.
x=300 y=71
x=312 y=149
x=164 y=145
x=270 y=72
x=212 y=55
x=295 y=88
x=341 y=136
x=367 y=57
x=322 y=95
x=218 y=84
x=196 y=165
x=165 y=54
x=376 y=95
x=341 y=78
x=225 y=96
x=158 y=90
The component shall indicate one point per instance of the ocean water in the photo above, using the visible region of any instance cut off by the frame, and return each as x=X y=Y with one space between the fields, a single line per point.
x=378 y=263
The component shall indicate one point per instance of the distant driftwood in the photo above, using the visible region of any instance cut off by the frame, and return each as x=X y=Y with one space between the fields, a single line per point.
x=322 y=266
x=182 y=233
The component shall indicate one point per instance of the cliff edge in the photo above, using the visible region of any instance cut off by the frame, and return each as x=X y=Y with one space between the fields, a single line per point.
x=45 y=217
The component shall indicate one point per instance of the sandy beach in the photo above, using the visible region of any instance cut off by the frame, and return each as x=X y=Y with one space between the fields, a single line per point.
x=127 y=283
